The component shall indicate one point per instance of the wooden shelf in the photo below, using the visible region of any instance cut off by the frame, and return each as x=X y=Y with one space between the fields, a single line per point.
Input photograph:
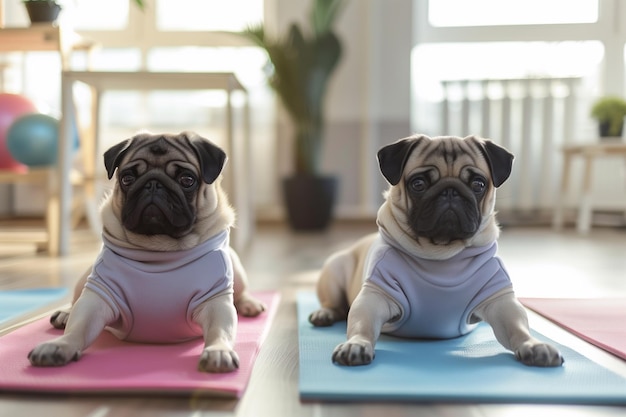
x=46 y=37
x=32 y=175
x=43 y=37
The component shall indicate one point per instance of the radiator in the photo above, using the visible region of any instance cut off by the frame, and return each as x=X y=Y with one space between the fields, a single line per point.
x=532 y=117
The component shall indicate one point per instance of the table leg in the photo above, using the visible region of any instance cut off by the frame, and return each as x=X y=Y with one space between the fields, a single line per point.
x=583 y=223
x=232 y=169
x=64 y=165
x=90 y=159
x=559 y=206
x=52 y=216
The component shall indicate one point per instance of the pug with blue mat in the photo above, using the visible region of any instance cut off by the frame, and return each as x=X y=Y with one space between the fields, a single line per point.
x=431 y=271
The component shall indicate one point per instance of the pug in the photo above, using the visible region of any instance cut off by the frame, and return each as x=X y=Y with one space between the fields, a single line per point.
x=431 y=271
x=166 y=272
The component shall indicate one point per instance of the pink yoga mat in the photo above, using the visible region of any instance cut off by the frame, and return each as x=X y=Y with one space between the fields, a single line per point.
x=599 y=321
x=112 y=366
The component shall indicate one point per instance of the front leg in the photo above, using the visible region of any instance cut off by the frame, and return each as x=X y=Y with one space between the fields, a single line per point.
x=218 y=319
x=89 y=316
x=369 y=312
x=60 y=317
x=509 y=321
x=245 y=303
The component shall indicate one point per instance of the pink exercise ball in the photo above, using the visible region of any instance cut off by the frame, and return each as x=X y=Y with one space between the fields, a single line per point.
x=12 y=106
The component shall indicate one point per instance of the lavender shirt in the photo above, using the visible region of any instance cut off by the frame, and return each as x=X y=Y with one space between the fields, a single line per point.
x=154 y=294
x=436 y=297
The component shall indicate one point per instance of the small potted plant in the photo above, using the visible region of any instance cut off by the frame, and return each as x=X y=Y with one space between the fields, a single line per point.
x=302 y=62
x=609 y=111
x=42 y=11
x=47 y=11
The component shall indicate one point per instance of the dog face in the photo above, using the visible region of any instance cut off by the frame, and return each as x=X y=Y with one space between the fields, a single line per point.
x=443 y=188
x=166 y=188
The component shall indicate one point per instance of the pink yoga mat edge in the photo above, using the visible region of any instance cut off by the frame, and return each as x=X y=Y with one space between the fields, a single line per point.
x=598 y=321
x=113 y=367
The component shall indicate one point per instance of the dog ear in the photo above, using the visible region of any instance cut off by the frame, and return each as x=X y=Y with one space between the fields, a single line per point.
x=113 y=156
x=392 y=158
x=212 y=158
x=500 y=161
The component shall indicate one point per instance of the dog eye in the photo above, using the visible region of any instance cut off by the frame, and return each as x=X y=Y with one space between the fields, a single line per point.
x=127 y=179
x=478 y=185
x=418 y=184
x=186 y=181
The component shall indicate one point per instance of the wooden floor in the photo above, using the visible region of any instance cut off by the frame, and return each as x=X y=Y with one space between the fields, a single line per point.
x=540 y=261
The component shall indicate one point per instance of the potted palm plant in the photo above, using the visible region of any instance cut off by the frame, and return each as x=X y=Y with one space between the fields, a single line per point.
x=609 y=111
x=302 y=63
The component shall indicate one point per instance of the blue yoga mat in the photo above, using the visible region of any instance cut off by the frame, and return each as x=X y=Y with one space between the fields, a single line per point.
x=15 y=303
x=473 y=368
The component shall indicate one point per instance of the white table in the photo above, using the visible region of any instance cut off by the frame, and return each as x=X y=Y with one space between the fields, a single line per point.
x=236 y=176
x=589 y=152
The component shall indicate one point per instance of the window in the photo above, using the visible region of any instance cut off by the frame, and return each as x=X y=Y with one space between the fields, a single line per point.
x=246 y=62
x=450 y=13
x=197 y=15
x=97 y=14
x=453 y=61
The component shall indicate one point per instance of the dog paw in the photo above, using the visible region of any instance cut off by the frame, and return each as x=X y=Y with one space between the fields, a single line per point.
x=322 y=317
x=58 y=320
x=352 y=354
x=53 y=354
x=539 y=354
x=249 y=306
x=218 y=361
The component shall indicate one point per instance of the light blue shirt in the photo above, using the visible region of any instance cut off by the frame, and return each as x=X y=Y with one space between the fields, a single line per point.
x=154 y=294
x=436 y=297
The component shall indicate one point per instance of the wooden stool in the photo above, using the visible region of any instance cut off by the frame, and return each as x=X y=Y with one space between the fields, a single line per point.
x=589 y=152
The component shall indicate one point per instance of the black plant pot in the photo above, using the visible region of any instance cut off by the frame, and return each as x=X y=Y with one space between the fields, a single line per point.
x=604 y=127
x=42 y=11
x=310 y=201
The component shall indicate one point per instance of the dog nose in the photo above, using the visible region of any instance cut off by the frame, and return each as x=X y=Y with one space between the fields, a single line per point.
x=450 y=193
x=152 y=185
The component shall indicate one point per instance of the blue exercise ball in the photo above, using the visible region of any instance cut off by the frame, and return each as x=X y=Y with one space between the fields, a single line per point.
x=33 y=140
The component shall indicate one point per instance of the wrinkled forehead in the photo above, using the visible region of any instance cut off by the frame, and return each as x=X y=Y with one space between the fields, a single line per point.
x=169 y=152
x=447 y=157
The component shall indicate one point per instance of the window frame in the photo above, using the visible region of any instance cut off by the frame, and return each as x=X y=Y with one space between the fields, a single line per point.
x=141 y=32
